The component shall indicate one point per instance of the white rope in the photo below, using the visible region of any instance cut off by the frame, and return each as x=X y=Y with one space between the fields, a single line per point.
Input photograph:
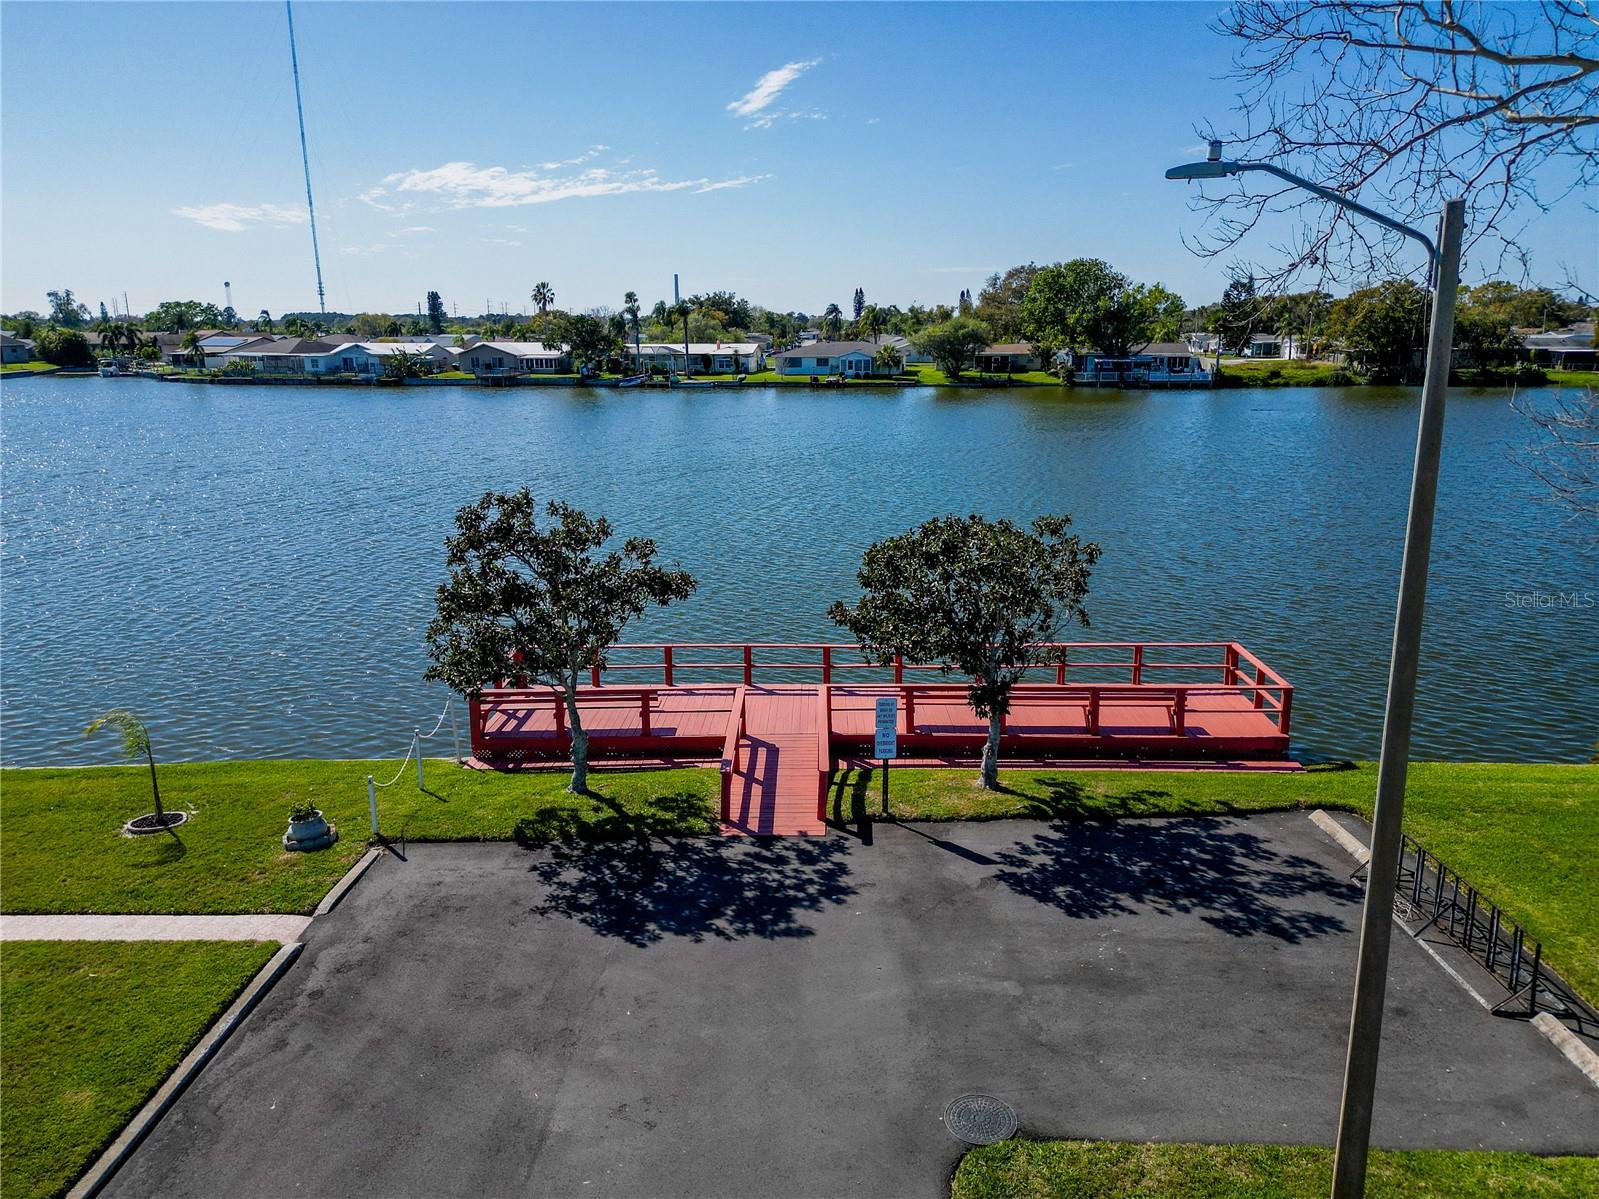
x=442 y=715
x=409 y=751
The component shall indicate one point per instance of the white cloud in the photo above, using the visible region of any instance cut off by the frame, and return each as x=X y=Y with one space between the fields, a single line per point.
x=757 y=103
x=467 y=185
x=592 y=152
x=413 y=229
x=236 y=218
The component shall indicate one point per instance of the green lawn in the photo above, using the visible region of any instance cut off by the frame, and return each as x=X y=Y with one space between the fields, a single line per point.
x=1574 y=378
x=26 y=368
x=63 y=852
x=1111 y=1170
x=1522 y=834
x=88 y=1030
x=1284 y=373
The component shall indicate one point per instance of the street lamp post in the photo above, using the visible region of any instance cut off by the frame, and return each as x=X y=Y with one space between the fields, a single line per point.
x=1376 y=920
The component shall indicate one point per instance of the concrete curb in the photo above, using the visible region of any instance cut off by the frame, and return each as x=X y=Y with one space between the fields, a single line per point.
x=1347 y=841
x=139 y=1127
x=1578 y=1052
x=351 y=877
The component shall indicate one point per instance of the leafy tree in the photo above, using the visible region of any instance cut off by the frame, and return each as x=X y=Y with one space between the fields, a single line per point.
x=587 y=338
x=545 y=601
x=65 y=310
x=105 y=317
x=1085 y=304
x=63 y=347
x=953 y=344
x=630 y=310
x=1166 y=313
x=368 y=326
x=977 y=597
x=403 y=364
x=888 y=359
x=543 y=296
x=436 y=312
x=1236 y=317
x=1486 y=336
x=999 y=303
x=870 y=323
x=230 y=318
x=135 y=742
x=832 y=324
x=1381 y=327
x=860 y=302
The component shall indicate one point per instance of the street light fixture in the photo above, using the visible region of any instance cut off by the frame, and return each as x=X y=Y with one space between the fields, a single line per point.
x=1376 y=920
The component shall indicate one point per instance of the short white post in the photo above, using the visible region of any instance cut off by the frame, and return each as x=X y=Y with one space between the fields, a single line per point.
x=416 y=741
x=455 y=729
x=372 y=802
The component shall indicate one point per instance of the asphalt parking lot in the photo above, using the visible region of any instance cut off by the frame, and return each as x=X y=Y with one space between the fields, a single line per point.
x=742 y=1018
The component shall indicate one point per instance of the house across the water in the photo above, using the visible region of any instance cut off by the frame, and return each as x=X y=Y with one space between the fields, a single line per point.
x=513 y=358
x=849 y=359
x=1569 y=349
x=1008 y=358
x=1159 y=364
x=702 y=358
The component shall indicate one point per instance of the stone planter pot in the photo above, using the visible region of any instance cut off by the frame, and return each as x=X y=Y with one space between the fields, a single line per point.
x=305 y=836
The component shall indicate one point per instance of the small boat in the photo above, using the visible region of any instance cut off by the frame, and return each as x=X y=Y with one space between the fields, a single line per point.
x=632 y=381
x=109 y=370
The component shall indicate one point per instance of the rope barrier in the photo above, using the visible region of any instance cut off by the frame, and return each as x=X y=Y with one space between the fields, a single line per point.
x=415 y=749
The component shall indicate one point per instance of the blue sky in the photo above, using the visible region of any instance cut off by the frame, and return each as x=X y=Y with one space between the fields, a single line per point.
x=478 y=148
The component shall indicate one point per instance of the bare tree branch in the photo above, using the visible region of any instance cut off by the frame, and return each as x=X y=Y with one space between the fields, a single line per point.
x=1402 y=104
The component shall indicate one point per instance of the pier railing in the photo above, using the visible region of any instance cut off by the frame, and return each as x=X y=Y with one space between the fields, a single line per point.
x=1182 y=667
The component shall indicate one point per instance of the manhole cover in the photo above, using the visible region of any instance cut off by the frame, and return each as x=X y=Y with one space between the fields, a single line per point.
x=980 y=1119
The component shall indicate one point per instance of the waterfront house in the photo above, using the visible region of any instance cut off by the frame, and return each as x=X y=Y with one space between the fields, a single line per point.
x=1159 y=364
x=215 y=347
x=1007 y=358
x=15 y=349
x=281 y=355
x=513 y=357
x=851 y=359
x=1570 y=348
x=907 y=351
x=704 y=357
x=367 y=357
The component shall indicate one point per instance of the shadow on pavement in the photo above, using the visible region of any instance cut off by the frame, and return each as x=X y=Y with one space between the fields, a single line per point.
x=1230 y=878
x=631 y=875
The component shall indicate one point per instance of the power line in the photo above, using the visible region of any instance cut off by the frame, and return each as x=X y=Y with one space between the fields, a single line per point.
x=305 y=160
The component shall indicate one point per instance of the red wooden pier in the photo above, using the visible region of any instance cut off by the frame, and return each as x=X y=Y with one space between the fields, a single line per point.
x=777 y=717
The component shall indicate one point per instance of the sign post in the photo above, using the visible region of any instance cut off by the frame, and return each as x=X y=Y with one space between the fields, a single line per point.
x=887 y=739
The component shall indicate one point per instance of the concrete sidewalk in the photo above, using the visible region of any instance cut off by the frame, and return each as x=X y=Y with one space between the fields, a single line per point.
x=78 y=927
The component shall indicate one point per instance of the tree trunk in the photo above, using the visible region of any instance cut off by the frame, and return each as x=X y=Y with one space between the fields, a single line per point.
x=580 y=745
x=988 y=778
x=154 y=789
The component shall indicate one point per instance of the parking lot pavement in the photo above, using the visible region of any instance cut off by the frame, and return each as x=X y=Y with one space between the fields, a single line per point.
x=731 y=1017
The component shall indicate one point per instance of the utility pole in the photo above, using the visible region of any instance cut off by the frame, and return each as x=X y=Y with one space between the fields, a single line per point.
x=1376 y=919
x=305 y=161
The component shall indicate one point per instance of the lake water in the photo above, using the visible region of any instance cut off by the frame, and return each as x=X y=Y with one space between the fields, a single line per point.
x=252 y=568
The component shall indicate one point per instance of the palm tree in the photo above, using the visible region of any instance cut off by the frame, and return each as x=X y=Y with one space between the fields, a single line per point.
x=630 y=309
x=266 y=319
x=135 y=741
x=191 y=343
x=543 y=296
x=871 y=321
x=110 y=336
x=888 y=359
x=832 y=321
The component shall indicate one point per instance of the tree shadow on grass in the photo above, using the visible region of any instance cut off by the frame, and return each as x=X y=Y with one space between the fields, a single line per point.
x=1232 y=879
x=640 y=874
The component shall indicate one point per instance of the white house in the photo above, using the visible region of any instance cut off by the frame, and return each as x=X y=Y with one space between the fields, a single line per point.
x=704 y=357
x=910 y=353
x=852 y=359
x=513 y=357
x=367 y=357
x=215 y=347
x=15 y=349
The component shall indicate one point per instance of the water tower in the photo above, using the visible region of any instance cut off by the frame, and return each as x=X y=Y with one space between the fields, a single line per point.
x=227 y=294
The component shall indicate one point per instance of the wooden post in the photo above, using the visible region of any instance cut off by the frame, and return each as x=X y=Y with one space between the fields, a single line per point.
x=910 y=710
x=667 y=663
x=1231 y=663
x=899 y=669
x=560 y=715
x=1093 y=711
x=474 y=708
x=827 y=664
x=1179 y=707
x=749 y=665
x=594 y=671
x=1260 y=694
x=1138 y=665
x=644 y=710
x=1282 y=712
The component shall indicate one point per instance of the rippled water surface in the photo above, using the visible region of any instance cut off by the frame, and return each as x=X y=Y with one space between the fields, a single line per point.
x=252 y=568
